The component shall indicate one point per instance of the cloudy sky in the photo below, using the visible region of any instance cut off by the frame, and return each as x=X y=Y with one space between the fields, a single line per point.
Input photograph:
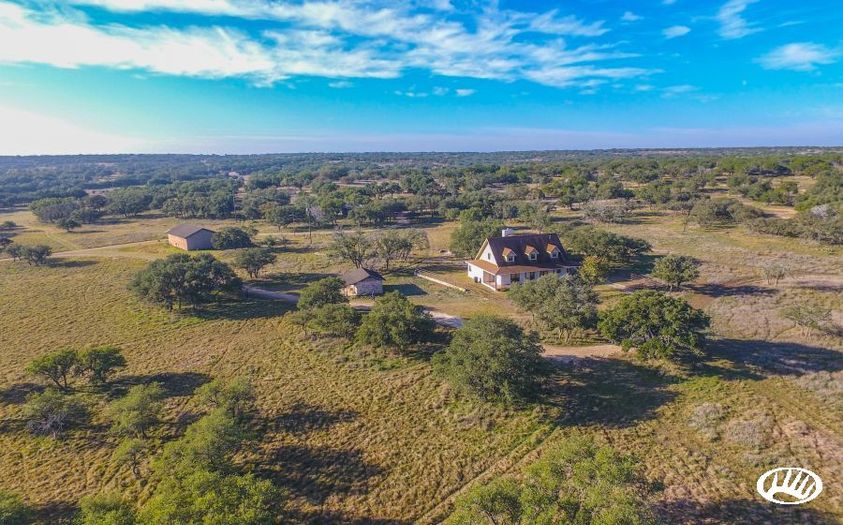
x=252 y=76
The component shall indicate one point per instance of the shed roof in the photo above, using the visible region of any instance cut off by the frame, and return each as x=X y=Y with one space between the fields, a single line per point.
x=186 y=230
x=360 y=274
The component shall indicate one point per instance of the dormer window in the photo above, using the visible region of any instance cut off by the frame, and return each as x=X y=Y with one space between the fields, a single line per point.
x=531 y=253
x=508 y=255
x=533 y=256
x=553 y=251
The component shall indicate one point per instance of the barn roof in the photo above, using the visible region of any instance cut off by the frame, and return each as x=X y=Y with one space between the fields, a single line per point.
x=186 y=230
x=360 y=274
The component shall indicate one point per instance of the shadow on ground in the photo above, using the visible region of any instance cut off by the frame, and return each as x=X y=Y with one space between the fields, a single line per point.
x=609 y=392
x=740 y=511
x=756 y=359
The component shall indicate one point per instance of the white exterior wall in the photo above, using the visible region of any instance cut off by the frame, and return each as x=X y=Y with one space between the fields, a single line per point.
x=487 y=255
x=474 y=271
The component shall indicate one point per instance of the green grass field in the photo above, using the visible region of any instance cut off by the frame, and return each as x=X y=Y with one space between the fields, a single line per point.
x=360 y=437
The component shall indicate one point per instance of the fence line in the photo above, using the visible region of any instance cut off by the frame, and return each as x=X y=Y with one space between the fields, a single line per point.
x=438 y=281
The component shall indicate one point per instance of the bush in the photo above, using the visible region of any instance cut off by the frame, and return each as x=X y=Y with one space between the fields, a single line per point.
x=338 y=320
x=181 y=278
x=105 y=509
x=655 y=324
x=13 y=511
x=608 y=246
x=204 y=497
x=706 y=419
x=578 y=482
x=100 y=362
x=56 y=366
x=322 y=292
x=138 y=411
x=236 y=396
x=51 y=413
x=229 y=238
x=253 y=260
x=492 y=358
x=675 y=270
x=394 y=322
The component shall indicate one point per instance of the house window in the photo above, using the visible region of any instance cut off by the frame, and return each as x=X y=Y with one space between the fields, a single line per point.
x=554 y=254
x=533 y=256
x=510 y=258
x=515 y=277
x=532 y=275
x=489 y=256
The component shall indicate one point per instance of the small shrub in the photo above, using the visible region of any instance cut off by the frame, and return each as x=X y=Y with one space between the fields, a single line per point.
x=706 y=419
x=50 y=413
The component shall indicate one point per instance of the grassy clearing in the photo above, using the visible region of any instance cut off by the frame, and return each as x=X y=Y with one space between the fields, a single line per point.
x=355 y=436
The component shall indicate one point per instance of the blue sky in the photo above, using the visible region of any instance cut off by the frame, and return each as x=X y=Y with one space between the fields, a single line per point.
x=254 y=76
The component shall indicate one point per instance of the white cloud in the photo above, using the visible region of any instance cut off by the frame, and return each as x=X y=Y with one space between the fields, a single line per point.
x=629 y=16
x=672 y=91
x=440 y=91
x=800 y=56
x=676 y=31
x=341 y=84
x=27 y=133
x=732 y=23
x=343 y=39
x=465 y=92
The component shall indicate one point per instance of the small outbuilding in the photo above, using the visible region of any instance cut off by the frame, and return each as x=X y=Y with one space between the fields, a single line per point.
x=362 y=281
x=189 y=237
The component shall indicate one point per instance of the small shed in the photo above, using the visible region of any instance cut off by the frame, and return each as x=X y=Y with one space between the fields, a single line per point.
x=189 y=237
x=362 y=281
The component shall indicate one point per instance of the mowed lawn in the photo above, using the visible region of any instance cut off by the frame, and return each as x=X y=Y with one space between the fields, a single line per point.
x=355 y=436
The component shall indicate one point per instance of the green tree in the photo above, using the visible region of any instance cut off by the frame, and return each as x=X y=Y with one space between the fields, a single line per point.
x=253 y=260
x=611 y=247
x=100 y=362
x=236 y=395
x=212 y=498
x=130 y=452
x=357 y=248
x=230 y=237
x=322 y=292
x=657 y=325
x=497 y=502
x=676 y=270
x=207 y=444
x=575 y=483
x=68 y=224
x=398 y=245
x=56 y=366
x=13 y=511
x=138 y=411
x=491 y=357
x=593 y=270
x=51 y=413
x=105 y=509
x=467 y=238
x=338 y=320
x=180 y=279
x=562 y=303
x=394 y=322
x=36 y=255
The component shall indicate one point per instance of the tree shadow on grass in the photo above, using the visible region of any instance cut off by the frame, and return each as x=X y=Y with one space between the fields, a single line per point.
x=244 y=309
x=406 y=289
x=755 y=359
x=71 y=263
x=55 y=513
x=16 y=394
x=609 y=392
x=741 y=511
x=331 y=518
x=304 y=418
x=292 y=281
x=720 y=290
x=317 y=473
x=175 y=384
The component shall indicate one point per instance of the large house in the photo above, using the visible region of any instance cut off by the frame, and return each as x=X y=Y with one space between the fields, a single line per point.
x=190 y=237
x=509 y=259
x=362 y=281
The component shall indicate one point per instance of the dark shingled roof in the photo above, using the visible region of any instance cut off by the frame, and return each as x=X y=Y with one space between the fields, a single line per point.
x=186 y=230
x=359 y=274
x=520 y=243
